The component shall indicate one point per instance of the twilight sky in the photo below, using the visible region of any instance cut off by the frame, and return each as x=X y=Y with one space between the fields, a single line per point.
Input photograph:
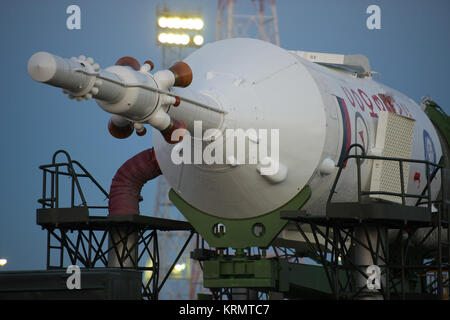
x=411 y=52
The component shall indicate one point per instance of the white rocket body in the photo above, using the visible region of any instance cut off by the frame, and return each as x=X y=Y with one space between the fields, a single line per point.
x=250 y=84
x=262 y=86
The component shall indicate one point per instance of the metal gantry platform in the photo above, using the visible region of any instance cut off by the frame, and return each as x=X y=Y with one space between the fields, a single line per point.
x=74 y=237
x=383 y=231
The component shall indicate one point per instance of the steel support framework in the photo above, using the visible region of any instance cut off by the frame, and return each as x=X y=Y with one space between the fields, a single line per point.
x=401 y=263
x=80 y=239
x=330 y=239
x=231 y=22
x=331 y=246
x=87 y=246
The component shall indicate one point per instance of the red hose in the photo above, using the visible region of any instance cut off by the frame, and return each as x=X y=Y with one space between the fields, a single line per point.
x=128 y=181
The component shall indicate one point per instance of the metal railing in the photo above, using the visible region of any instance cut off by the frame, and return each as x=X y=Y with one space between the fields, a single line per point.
x=425 y=194
x=57 y=169
x=424 y=198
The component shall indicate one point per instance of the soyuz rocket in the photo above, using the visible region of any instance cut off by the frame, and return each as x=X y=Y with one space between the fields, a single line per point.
x=318 y=104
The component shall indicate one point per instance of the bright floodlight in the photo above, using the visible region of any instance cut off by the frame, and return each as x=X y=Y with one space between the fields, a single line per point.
x=162 y=37
x=162 y=22
x=174 y=38
x=148 y=273
x=179 y=29
x=3 y=262
x=198 y=24
x=181 y=23
x=179 y=267
x=198 y=40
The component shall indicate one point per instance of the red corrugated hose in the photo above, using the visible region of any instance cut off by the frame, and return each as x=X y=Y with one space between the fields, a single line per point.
x=128 y=181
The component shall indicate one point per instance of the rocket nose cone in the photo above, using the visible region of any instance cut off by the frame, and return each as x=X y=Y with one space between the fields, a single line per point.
x=42 y=66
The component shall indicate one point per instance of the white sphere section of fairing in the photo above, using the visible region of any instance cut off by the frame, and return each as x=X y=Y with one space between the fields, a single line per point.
x=259 y=86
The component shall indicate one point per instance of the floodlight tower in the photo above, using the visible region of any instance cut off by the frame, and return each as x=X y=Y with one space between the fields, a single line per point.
x=234 y=21
x=176 y=33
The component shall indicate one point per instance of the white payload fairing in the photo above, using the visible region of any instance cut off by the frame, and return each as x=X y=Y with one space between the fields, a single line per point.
x=312 y=106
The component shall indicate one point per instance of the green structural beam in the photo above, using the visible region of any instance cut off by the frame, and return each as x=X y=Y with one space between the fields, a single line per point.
x=439 y=118
x=240 y=233
x=241 y=272
x=267 y=273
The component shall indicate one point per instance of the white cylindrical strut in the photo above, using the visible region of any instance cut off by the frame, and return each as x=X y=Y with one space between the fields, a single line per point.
x=60 y=72
x=47 y=68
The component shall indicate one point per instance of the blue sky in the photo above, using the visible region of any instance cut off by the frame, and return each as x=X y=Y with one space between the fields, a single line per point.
x=411 y=52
